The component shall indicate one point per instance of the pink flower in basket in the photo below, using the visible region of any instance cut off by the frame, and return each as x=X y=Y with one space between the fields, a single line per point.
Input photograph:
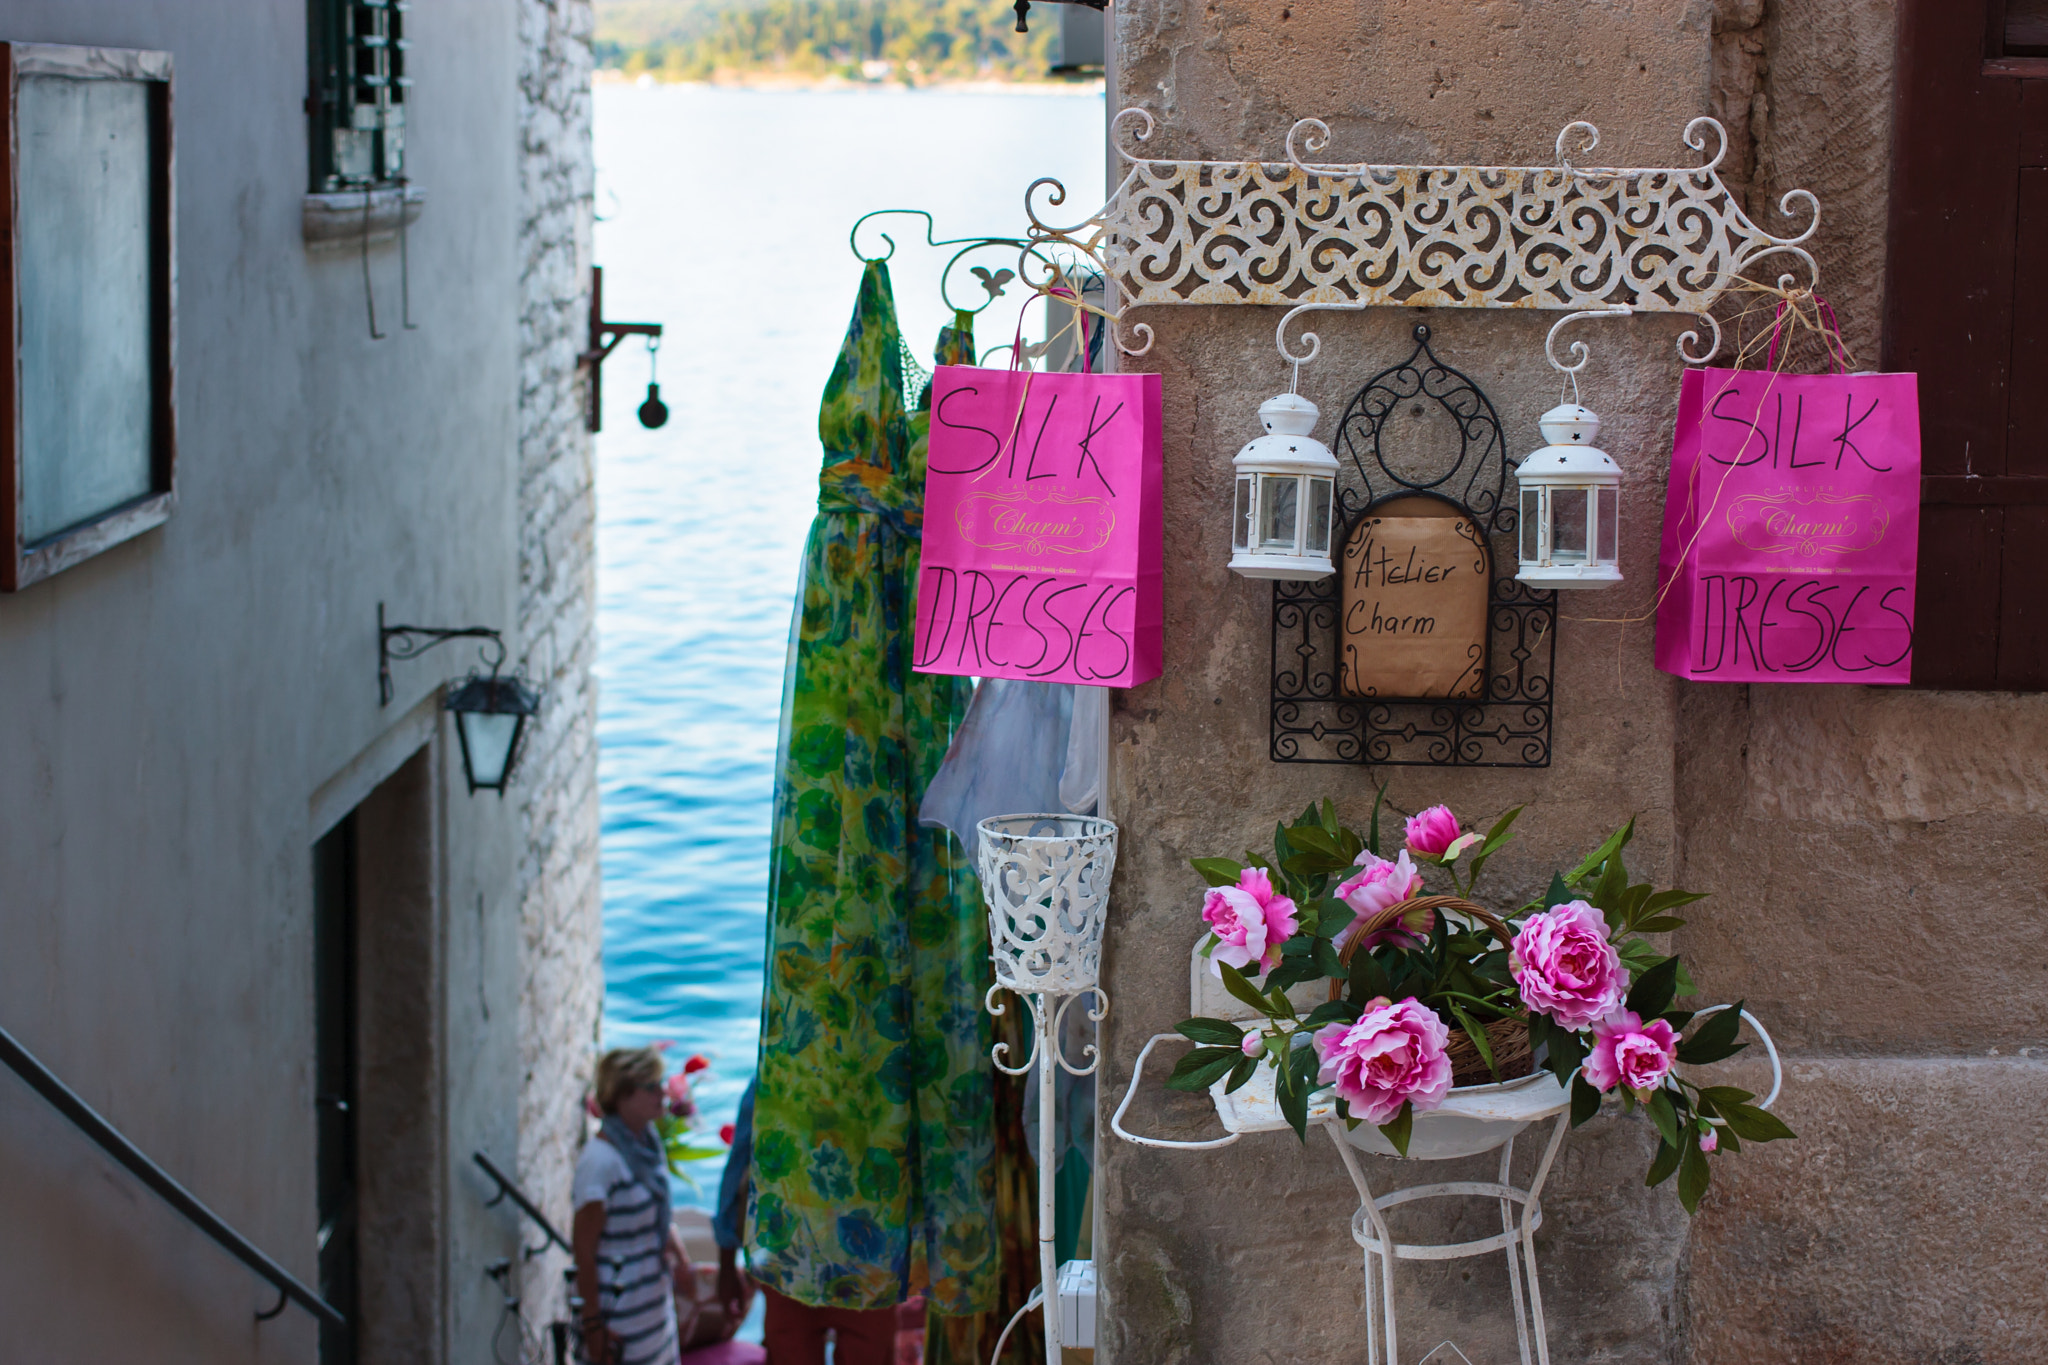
x=1627 y=1051
x=1250 y=921
x=1434 y=833
x=1377 y=885
x=1565 y=967
x=1393 y=1055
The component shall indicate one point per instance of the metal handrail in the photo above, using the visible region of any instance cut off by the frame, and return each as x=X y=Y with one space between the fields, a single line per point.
x=507 y=1188
x=110 y=1140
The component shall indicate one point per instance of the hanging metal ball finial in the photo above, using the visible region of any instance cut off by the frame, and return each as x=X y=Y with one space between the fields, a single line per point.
x=1023 y=8
x=653 y=412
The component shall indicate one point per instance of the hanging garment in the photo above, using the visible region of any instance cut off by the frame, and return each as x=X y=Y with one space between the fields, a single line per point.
x=873 y=1177
x=1006 y=759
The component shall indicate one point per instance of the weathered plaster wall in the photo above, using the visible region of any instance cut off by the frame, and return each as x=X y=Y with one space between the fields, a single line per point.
x=1244 y=1254
x=182 y=717
x=562 y=984
x=1876 y=859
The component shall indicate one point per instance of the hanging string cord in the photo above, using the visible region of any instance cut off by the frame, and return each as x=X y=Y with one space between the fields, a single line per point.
x=369 y=294
x=1803 y=311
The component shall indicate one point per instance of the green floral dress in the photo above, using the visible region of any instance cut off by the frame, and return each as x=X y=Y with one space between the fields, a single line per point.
x=873 y=1175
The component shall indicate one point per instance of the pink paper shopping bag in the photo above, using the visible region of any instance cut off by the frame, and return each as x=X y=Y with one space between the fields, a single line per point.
x=1041 y=528
x=1791 y=528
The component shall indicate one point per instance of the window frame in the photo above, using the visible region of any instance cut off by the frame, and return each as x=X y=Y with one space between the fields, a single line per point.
x=23 y=563
x=331 y=49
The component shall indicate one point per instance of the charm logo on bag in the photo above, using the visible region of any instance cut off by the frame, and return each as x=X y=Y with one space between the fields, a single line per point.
x=1807 y=522
x=1036 y=523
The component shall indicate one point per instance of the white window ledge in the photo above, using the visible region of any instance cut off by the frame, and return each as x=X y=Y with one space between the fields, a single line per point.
x=338 y=219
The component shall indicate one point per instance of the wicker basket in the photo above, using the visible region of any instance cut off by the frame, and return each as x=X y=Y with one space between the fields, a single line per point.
x=1509 y=1038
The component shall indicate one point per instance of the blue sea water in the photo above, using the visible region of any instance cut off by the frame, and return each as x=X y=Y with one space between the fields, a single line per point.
x=723 y=214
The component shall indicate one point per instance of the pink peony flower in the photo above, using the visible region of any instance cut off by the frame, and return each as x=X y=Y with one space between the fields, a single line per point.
x=679 y=1102
x=698 y=1062
x=1709 y=1140
x=1432 y=832
x=1250 y=921
x=1565 y=966
x=1393 y=1054
x=1377 y=885
x=725 y=1133
x=1627 y=1051
x=1254 y=1045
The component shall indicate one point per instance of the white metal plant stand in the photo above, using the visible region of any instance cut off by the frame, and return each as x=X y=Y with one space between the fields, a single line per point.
x=1045 y=879
x=1471 y=1121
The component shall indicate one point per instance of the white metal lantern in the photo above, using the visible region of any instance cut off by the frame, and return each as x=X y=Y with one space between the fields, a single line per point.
x=1571 y=505
x=1286 y=494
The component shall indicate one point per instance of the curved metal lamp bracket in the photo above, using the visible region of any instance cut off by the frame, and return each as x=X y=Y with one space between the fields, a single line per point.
x=1303 y=234
x=409 y=642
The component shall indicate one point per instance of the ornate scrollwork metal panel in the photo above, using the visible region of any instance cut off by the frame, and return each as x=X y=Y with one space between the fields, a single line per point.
x=1313 y=719
x=1668 y=240
x=1045 y=879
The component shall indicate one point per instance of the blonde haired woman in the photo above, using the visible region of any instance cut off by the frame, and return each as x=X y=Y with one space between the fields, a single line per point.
x=627 y=1252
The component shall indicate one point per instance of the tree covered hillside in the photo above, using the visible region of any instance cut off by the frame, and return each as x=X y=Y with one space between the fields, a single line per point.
x=897 y=40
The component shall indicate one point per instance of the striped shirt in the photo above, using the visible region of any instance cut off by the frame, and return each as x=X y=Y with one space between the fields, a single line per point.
x=635 y=1290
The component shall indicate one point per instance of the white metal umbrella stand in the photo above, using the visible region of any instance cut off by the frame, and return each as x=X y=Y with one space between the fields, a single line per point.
x=1045 y=879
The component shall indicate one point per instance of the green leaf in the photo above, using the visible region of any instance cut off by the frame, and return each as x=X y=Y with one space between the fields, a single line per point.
x=1637 y=956
x=1585 y=1100
x=1332 y=1012
x=1678 y=1019
x=1214 y=1031
x=1313 y=839
x=1200 y=1069
x=1403 y=1127
x=1607 y=893
x=1685 y=986
x=1661 y=1113
x=1293 y=1099
x=1240 y=986
x=1329 y=816
x=1240 y=1074
x=1558 y=894
x=1491 y=844
x=1724 y=1095
x=1326 y=959
x=1567 y=1051
x=1671 y=900
x=1372 y=837
x=1651 y=995
x=1713 y=1040
x=1693 y=1176
x=1335 y=918
x=1369 y=979
x=1476 y=1034
x=1757 y=1125
x=1659 y=924
x=1665 y=1163
x=1218 y=871
x=1613 y=844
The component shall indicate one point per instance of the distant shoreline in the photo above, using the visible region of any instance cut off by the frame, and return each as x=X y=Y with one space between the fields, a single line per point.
x=775 y=82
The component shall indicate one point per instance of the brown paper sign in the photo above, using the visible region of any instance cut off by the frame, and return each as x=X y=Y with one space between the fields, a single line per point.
x=1415 y=577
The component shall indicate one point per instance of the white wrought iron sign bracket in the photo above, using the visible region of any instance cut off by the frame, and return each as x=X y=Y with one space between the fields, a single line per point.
x=1301 y=234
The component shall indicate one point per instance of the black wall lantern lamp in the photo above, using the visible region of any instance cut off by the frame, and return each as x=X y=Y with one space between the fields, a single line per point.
x=490 y=711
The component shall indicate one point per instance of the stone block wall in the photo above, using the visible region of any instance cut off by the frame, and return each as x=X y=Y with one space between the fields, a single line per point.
x=561 y=988
x=1873 y=854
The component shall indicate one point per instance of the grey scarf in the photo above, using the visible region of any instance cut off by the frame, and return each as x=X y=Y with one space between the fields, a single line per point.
x=643 y=1153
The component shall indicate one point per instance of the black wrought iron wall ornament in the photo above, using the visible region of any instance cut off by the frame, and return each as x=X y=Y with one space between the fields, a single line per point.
x=1508 y=726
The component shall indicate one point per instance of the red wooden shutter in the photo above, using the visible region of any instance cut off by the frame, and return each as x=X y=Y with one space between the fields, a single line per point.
x=1966 y=306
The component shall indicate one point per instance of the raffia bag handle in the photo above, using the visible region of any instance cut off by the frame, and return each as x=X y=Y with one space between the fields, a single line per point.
x=1394 y=914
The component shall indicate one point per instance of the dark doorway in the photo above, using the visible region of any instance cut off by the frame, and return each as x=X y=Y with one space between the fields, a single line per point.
x=334 y=1081
x=380 y=1087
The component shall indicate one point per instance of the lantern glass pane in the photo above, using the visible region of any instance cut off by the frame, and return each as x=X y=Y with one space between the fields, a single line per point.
x=1609 y=549
x=1532 y=525
x=1279 y=499
x=1240 y=527
x=1568 y=525
x=489 y=746
x=1318 y=516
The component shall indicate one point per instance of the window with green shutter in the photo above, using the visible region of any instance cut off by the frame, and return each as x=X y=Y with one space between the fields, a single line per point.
x=356 y=53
